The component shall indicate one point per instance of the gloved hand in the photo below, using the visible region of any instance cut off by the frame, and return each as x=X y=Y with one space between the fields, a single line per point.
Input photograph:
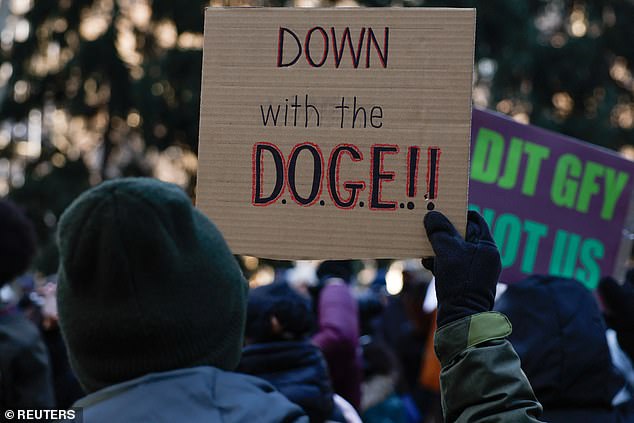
x=466 y=271
x=619 y=310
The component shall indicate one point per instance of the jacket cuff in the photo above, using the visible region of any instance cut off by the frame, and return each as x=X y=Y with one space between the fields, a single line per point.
x=452 y=339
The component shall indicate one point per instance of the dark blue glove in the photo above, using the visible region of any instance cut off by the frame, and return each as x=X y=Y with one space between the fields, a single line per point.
x=466 y=271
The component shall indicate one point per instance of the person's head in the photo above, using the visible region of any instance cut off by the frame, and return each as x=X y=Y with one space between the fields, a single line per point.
x=330 y=269
x=378 y=359
x=146 y=284
x=17 y=241
x=559 y=335
x=276 y=312
x=342 y=269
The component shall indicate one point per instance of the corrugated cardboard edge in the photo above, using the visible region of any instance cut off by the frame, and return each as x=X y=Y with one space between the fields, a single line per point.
x=463 y=231
x=625 y=249
x=200 y=106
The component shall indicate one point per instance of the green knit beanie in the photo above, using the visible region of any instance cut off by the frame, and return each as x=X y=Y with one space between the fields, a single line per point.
x=146 y=284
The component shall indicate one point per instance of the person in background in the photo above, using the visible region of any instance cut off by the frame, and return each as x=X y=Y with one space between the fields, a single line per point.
x=405 y=326
x=25 y=375
x=617 y=304
x=560 y=336
x=152 y=307
x=371 y=303
x=278 y=350
x=481 y=379
x=379 y=401
x=67 y=389
x=618 y=301
x=337 y=333
x=38 y=303
x=429 y=376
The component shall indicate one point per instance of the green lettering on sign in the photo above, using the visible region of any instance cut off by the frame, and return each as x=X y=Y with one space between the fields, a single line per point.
x=507 y=234
x=534 y=232
x=487 y=156
x=614 y=185
x=591 y=251
x=589 y=185
x=564 y=190
x=536 y=154
x=512 y=167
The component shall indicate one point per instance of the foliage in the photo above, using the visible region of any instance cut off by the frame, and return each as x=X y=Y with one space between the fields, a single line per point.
x=96 y=89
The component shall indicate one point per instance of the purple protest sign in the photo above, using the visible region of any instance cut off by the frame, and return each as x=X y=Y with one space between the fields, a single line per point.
x=556 y=205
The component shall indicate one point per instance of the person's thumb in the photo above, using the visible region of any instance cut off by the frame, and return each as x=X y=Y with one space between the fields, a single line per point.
x=441 y=233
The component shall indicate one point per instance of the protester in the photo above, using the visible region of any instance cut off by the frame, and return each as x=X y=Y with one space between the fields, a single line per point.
x=405 y=327
x=380 y=402
x=618 y=300
x=143 y=274
x=152 y=307
x=617 y=303
x=25 y=376
x=371 y=303
x=429 y=376
x=338 y=329
x=560 y=336
x=481 y=379
x=65 y=384
x=279 y=321
x=38 y=303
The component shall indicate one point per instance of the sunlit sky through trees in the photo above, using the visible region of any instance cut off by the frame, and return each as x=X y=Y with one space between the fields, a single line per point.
x=95 y=89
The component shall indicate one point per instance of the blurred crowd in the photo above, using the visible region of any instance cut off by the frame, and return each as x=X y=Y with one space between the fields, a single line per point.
x=150 y=307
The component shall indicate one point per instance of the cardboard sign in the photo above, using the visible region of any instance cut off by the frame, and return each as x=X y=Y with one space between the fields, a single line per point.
x=329 y=133
x=556 y=205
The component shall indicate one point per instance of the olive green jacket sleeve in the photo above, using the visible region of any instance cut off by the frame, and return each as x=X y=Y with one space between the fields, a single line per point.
x=481 y=379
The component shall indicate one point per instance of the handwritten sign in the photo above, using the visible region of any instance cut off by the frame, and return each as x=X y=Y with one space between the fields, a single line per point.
x=329 y=133
x=556 y=205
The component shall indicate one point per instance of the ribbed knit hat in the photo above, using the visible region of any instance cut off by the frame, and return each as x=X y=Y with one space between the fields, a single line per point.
x=146 y=284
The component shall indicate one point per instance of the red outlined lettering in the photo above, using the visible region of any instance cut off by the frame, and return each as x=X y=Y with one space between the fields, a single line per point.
x=280 y=48
x=353 y=187
x=413 y=156
x=324 y=55
x=318 y=171
x=257 y=170
x=433 y=160
x=378 y=175
x=356 y=57
x=382 y=54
